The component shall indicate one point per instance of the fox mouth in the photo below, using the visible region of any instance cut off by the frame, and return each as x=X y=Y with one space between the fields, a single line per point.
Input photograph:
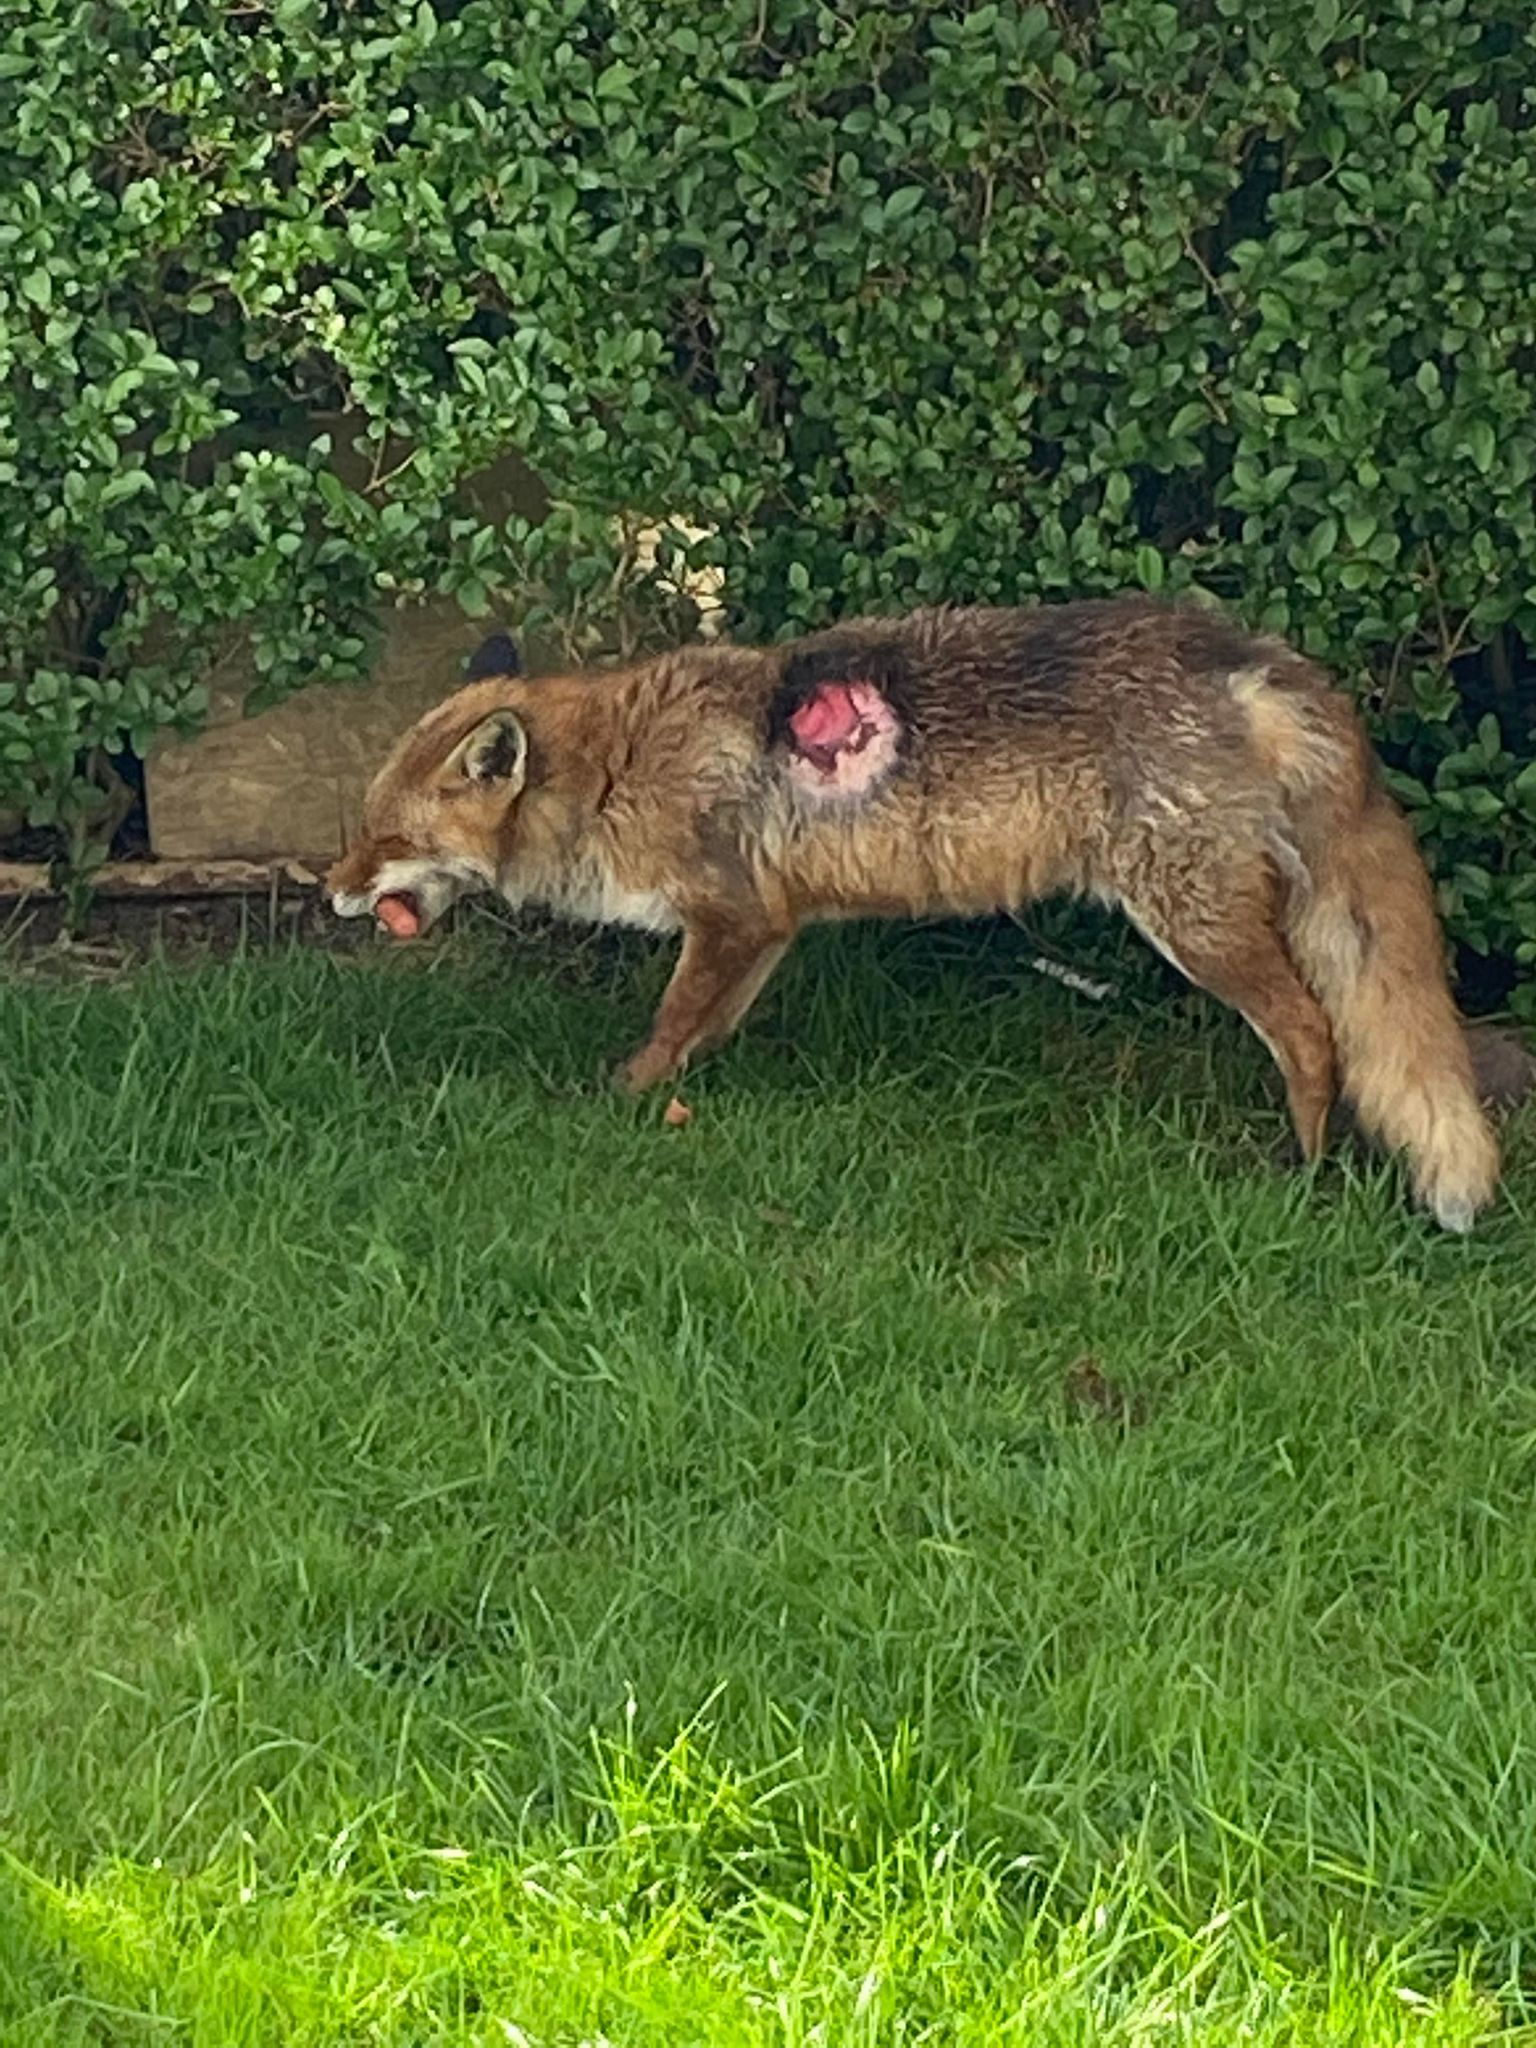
x=399 y=912
x=406 y=898
x=404 y=913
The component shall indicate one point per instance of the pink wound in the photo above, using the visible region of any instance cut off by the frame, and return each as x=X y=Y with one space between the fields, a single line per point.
x=844 y=737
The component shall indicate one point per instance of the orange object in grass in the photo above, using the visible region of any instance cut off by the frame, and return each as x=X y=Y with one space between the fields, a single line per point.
x=399 y=916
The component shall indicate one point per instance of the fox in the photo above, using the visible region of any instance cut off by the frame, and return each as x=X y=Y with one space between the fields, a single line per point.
x=1212 y=784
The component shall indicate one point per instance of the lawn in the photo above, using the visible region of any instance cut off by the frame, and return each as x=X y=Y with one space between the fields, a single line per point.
x=953 y=1545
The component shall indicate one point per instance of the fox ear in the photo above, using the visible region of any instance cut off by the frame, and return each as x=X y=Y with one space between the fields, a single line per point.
x=494 y=754
x=495 y=657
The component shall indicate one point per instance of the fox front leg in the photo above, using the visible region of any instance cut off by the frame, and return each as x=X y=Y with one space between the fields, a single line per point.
x=719 y=975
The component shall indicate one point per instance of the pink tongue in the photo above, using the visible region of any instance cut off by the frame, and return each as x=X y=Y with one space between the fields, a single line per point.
x=827 y=719
x=398 y=915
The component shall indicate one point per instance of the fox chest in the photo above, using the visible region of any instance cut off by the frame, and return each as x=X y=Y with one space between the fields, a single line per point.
x=589 y=894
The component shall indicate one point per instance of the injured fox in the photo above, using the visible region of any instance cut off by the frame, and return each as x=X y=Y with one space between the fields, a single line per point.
x=1212 y=785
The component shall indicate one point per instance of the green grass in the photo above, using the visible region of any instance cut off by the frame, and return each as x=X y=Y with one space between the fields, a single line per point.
x=478 y=1565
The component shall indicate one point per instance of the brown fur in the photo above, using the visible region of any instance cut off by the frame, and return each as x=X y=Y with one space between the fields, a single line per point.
x=1211 y=784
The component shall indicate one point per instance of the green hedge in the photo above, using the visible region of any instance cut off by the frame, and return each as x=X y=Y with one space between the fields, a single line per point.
x=906 y=300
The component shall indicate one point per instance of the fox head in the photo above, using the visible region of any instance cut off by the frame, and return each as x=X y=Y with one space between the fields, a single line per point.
x=436 y=815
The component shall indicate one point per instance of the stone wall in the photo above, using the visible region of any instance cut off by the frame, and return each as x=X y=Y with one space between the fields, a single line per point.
x=290 y=781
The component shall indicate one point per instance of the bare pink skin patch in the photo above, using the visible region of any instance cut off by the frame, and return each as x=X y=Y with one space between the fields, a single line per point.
x=845 y=737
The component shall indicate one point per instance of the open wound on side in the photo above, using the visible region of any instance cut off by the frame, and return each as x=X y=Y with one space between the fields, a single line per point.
x=843 y=737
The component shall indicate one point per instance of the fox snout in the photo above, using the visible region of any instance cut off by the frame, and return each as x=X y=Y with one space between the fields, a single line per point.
x=358 y=885
x=349 y=885
x=362 y=884
x=408 y=893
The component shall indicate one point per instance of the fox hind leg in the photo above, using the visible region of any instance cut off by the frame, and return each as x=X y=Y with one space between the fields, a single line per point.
x=1236 y=954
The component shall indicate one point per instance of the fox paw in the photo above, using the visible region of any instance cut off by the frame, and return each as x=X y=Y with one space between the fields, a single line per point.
x=643 y=1070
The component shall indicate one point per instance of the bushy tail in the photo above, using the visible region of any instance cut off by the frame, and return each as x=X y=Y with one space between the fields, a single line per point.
x=1362 y=928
